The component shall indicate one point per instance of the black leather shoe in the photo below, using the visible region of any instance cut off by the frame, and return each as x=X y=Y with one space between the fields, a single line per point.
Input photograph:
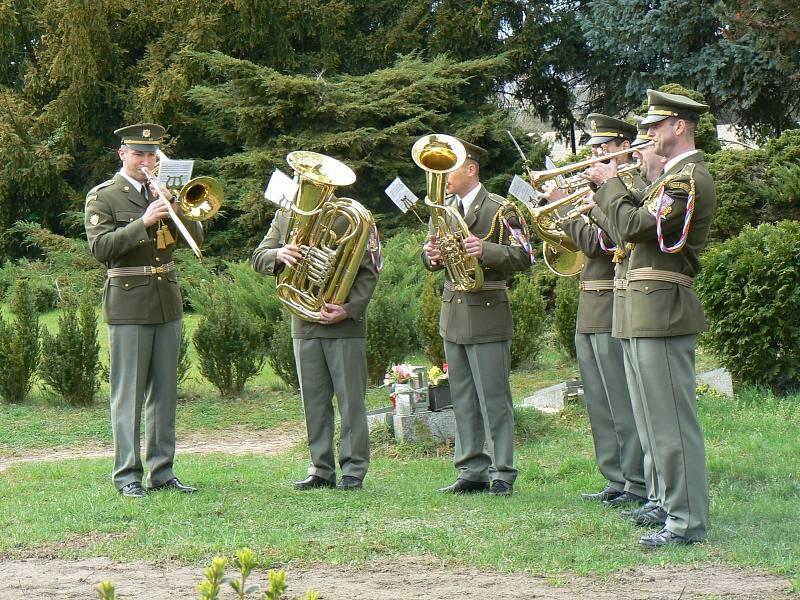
x=313 y=481
x=501 y=488
x=173 y=484
x=133 y=490
x=654 y=518
x=625 y=498
x=664 y=538
x=349 y=482
x=608 y=493
x=465 y=486
x=632 y=513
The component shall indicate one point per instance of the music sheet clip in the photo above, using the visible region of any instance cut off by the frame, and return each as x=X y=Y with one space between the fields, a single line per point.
x=401 y=195
x=173 y=173
x=281 y=189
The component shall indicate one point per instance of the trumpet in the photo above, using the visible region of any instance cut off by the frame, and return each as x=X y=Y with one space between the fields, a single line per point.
x=539 y=178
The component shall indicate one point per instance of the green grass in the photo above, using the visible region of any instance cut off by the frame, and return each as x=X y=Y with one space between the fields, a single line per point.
x=70 y=509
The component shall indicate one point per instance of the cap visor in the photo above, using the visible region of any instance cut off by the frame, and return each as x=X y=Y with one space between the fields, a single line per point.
x=143 y=147
x=650 y=119
x=594 y=141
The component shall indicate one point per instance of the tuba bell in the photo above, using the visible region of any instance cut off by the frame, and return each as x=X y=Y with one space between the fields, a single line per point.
x=438 y=155
x=332 y=234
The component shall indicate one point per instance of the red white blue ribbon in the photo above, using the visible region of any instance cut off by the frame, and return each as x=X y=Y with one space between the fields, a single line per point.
x=687 y=220
x=519 y=235
x=601 y=236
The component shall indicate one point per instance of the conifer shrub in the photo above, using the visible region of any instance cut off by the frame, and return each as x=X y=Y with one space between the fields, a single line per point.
x=427 y=322
x=70 y=362
x=530 y=321
x=19 y=344
x=566 y=314
x=229 y=340
x=281 y=351
x=184 y=362
x=750 y=289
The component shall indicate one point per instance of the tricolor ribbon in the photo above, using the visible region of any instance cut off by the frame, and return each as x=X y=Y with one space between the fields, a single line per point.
x=376 y=248
x=520 y=236
x=687 y=220
x=601 y=236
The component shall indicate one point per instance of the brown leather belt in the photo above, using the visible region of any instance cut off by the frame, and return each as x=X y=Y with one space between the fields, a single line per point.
x=650 y=274
x=596 y=285
x=145 y=270
x=487 y=285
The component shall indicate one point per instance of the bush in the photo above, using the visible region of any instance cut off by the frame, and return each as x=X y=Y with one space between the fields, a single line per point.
x=390 y=333
x=229 y=340
x=70 y=362
x=566 y=314
x=281 y=351
x=427 y=322
x=530 y=321
x=750 y=288
x=19 y=345
x=40 y=281
x=184 y=362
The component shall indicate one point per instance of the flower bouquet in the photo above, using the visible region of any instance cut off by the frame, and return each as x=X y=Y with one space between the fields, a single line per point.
x=438 y=388
x=400 y=378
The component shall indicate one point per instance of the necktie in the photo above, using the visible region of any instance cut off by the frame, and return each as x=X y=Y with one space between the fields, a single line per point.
x=460 y=206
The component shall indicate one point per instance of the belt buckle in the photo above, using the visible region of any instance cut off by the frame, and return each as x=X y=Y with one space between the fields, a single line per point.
x=158 y=270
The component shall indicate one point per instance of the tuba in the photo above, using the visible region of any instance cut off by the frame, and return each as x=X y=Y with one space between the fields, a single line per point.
x=332 y=235
x=437 y=155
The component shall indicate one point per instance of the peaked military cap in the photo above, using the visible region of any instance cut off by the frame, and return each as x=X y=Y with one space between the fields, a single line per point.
x=474 y=152
x=604 y=129
x=662 y=105
x=642 y=137
x=144 y=137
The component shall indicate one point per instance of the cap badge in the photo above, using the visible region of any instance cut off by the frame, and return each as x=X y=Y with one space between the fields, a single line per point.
x=145 y=133
x=593 y=125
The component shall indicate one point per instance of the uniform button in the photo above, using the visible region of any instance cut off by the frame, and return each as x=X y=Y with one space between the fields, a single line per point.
x=646 y=288
x=488 y=304
x=458 y=300
x=159 y=278
x=130 y=219
x=141 y=241
x=126 y=285
x=157 y=258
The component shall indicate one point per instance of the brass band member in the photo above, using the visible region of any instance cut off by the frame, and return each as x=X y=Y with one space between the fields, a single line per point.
x=129 y=230
x=477 y=329
x=664 y=315
x=618 y=450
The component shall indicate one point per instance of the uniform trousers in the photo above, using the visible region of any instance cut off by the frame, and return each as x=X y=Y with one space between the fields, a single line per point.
x=651 y=476
x=605 y=390
x=665 y=373
x=483 y=408
x=144 y=370
x=328 y=367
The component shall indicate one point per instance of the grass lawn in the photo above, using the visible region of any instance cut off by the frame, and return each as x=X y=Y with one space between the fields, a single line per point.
x=69 y=508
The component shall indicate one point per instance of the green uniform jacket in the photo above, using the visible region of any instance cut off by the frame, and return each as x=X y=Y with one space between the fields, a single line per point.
x=355 y=304
x=660 y=308
x=620 y=328
x=595 y=307
x=485 y=315
x=118 y=238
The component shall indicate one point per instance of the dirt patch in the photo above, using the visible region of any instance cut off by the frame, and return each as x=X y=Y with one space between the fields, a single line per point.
x=407 y=579
x=228 y=442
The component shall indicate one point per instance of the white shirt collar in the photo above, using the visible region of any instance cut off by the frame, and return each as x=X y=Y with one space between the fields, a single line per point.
x=674 y=161
x=137 y=185
x=469 y=197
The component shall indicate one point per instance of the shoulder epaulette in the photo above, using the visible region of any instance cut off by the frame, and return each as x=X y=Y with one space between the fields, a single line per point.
x=93 y=192
x=498 y=199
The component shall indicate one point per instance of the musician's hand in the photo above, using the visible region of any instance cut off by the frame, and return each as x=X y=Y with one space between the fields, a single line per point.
x=473 y=246
x=289 y=254
x=588 y=204
x=155 y=211
x=431 y=249
x=332 y=313
x=599 y=172
x=552 y=192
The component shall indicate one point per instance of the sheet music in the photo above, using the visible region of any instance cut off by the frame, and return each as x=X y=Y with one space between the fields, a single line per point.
x=401 y=195
x=523 y=191
x=281 y=189
x=174 y=173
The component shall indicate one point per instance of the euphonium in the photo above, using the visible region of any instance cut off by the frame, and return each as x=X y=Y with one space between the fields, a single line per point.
x=438 y=155
x=332 y=235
